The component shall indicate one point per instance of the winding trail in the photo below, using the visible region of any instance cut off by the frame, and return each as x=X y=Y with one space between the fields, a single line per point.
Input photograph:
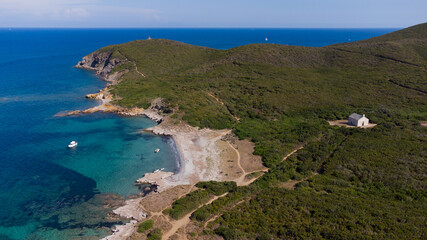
x=240 y=181
x=291 y=153
x=134 y=63
x=136 y=69
x=219 y=215
x=184 y=221
x=177 y=224
x=222 y=103
x=290 y=184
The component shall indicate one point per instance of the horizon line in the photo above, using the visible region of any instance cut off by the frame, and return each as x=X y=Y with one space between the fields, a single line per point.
x=77 y=28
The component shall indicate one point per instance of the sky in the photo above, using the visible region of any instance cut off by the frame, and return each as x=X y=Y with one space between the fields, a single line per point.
x=212 y=14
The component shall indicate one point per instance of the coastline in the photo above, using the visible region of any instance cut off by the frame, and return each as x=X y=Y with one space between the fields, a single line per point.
x=204 y=154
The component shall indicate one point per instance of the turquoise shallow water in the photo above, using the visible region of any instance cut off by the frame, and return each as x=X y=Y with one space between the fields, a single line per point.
x=48 y=191
x=111 y=150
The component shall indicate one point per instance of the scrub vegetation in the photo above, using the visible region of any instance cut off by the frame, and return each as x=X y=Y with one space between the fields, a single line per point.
x=351 y=183
x=146 y=225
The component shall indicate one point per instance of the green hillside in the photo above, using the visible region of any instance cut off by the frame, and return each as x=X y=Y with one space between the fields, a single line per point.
x=270 y=80
x=371 y=183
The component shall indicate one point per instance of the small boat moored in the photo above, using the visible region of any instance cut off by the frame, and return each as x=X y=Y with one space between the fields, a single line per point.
x=157 y=150
x=159 y=170
x=72 y=144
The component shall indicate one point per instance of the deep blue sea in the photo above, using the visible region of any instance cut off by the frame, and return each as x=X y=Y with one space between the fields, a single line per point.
x=48 y=191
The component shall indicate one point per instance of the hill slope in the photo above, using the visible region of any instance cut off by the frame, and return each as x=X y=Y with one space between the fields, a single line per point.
x=274 y=79
x=358 y=183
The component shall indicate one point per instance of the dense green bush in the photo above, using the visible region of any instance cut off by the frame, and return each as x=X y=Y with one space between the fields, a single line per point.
x=188 y=203
x=228 y=233
x=370 y=188
x=206 y=212
x=372 y=181
x=144 y=226
x=155 y=234
x=217 y=188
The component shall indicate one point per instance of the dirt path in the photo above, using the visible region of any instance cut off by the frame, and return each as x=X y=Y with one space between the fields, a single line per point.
x=290 y=184
x=177 y=224
x=241 y=180
x=219 y=215
x=183 y=222
x=291 y=153
x=136 y=69
x=222 y=103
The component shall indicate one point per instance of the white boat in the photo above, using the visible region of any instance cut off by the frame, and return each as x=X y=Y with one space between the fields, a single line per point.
x=72 y=144
x=159 y=170
x=157 y=150
x=266 y=39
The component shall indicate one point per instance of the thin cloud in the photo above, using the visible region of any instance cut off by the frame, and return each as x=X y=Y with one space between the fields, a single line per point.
x=66 y=12
x=126 y=12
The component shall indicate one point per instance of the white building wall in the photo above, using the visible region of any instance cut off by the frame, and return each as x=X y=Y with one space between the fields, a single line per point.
x=363 y=122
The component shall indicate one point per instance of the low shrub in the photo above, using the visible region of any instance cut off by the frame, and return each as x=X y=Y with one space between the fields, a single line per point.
x=144 y=226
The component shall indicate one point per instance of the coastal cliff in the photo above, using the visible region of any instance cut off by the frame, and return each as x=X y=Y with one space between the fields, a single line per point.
x=102 y=63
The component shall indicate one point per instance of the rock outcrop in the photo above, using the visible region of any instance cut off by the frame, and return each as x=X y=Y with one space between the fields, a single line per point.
x=102 y=63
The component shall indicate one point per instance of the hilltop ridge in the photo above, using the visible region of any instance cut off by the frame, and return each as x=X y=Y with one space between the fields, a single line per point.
x=296 y=78
x=322 y=181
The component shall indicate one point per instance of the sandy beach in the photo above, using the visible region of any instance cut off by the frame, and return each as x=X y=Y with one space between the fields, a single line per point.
x=205 y=154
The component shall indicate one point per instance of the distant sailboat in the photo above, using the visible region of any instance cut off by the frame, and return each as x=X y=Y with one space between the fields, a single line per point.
x=266 y=39
x=72 y=144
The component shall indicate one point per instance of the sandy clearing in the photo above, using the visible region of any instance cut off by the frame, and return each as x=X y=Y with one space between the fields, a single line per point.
x=344 y=123
x=248 y=161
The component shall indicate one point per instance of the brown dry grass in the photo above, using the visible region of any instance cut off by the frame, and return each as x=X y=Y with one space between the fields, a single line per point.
x=248 y=161
x=159 y=201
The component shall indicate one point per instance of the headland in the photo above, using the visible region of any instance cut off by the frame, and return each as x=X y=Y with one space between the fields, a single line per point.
x=205 y=154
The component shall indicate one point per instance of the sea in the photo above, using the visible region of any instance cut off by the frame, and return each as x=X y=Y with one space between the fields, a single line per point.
x=49 y=191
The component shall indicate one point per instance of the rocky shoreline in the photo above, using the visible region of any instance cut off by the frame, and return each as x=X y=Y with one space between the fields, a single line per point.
x=204 y=153
x=103 y=63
